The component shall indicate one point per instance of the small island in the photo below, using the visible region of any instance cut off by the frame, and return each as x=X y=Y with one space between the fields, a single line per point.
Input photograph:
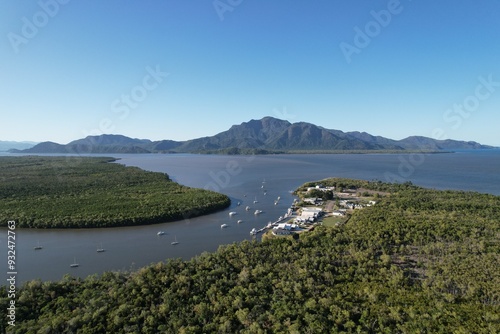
x=85 y=192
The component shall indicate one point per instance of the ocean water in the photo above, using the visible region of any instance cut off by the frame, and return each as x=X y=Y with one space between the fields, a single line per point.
x=244 y=179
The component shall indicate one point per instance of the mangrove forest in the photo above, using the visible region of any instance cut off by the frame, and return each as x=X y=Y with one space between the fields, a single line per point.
x=64 y=192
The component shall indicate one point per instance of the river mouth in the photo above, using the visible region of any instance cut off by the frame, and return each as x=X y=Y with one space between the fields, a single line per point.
x=242 y=179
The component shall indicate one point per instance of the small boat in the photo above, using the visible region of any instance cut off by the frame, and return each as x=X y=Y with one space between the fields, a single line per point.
x=255 y=200
x=247 y=208
x=223 y=226
x=175 y=242
x=37 y=247
x=160 y=233
x=253 y=231
x=239 y=203
x=232 y=213
x=257 y=212
x=74 y=264
x=100 y=250
x=240 y=221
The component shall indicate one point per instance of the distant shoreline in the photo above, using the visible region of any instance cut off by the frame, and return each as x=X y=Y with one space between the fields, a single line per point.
x=248 y=152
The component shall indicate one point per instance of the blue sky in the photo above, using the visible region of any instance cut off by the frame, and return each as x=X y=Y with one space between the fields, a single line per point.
x=185 y=69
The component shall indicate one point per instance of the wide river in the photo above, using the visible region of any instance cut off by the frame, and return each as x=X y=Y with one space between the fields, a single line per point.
x=245 y=179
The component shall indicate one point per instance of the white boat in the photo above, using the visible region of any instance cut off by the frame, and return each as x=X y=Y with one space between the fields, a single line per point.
x=100 y=250
x=37 y=247
x=232 y=213
x=239 y=203
x=257 y=212
x=240 y=221
x=253 y=231
x=223 y=226
x=175 y=242
x=160 y=233
x=255 y=200
x=74 y=264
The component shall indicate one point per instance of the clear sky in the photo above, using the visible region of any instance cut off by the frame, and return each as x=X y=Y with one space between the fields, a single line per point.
x=177 y=69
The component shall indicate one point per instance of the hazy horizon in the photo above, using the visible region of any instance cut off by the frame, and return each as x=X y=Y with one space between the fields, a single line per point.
x=175 y=70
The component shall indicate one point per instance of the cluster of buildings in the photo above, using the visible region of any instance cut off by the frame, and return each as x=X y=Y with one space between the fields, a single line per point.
x=308 y=215
x=321 y=188
x=311 y=214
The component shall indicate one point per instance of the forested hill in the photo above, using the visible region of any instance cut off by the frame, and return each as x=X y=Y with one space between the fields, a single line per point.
x=419 y=261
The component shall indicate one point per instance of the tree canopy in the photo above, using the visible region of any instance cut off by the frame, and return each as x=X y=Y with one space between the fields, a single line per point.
x=46 y=192
x=419 y=261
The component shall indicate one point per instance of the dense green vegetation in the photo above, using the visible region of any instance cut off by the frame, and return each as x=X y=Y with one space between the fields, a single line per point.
x=45 y=192
x=341 y=184
x=419 y=261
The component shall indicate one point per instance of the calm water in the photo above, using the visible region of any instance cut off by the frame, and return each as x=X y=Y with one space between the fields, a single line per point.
x=244 y=179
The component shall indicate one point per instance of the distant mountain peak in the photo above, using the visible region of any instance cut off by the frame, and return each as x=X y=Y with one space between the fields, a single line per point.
x=109 y=139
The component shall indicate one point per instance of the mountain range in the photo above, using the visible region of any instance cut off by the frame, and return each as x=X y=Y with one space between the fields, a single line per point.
x=267 y=135
x=19 y=145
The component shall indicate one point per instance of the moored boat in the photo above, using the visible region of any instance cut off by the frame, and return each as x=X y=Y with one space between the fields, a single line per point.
x=74 y=264
x=100 y=250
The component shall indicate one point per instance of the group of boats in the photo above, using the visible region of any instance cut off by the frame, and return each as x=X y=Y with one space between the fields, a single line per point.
x=175 y=242
x=102 y=250
x=255 y=231
x=74 y=264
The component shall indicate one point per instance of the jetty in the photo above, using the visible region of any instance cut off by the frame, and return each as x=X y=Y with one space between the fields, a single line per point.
x=281 y=220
